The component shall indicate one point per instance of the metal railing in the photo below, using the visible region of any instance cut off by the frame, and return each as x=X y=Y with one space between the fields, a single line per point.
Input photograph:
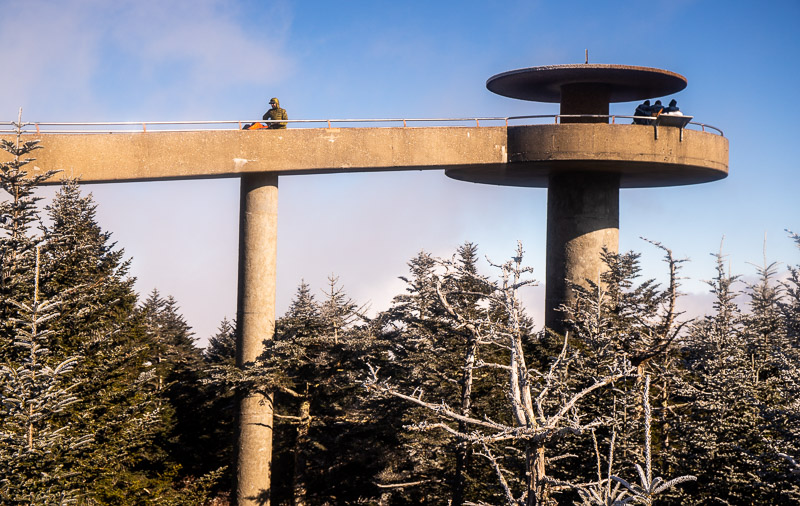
x=9 y=127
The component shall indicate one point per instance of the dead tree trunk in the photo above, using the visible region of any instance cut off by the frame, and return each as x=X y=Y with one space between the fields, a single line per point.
x=463 y=449
x=300 y=477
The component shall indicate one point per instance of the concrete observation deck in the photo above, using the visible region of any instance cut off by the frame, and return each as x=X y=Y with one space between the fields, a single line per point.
x=584 y=161
x=582 y=156
x=514 y=155
x=642 y=160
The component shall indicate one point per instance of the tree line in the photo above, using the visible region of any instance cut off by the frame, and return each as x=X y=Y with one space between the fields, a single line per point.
x=449 y=396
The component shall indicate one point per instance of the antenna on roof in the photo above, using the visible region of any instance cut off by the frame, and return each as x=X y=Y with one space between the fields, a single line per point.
x=587 y=57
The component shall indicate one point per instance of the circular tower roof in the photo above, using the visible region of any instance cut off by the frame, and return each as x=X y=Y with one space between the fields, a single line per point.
x=625 y=83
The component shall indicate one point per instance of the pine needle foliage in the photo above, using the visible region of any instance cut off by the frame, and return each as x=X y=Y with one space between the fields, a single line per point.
x=221 y=347
x=85 y=268
x=541 y=407
x=17 y=213
x=37 y=444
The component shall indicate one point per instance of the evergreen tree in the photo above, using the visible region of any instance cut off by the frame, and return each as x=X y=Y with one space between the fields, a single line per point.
x=321 y=418
x=784 y=418
x=790 y=306
x=541 y=407
x=742 y=386
x=17 y=212
x=421 y=324
x=331 y=440
x=177 y=368
x=131 y=361
x=303 y=319
x=622 y=318
x=37 y=443
x=83 y=266
x=96 y=321
x=338 y=311
x=217 y=407
x=221 y=347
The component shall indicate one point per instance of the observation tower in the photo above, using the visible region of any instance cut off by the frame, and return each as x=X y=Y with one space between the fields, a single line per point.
x=585 y=159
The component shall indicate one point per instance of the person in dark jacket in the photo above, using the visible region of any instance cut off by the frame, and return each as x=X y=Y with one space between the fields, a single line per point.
x=275 y=113
x=673 y=108
x=643 y=109
x=657 y=109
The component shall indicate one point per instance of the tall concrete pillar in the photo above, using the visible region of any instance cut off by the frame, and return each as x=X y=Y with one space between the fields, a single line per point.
x=582 y=99
x=258 y=232
x=582 y=218
x=584 y=165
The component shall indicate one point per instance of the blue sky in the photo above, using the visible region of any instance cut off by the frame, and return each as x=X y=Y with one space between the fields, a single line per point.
x=147 y=60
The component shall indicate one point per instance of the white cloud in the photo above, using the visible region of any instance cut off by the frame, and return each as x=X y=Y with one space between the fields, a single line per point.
x=204 y=39
x=52 y=54
x=84 y=60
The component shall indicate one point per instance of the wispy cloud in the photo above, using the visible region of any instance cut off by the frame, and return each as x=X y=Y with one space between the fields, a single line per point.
x=86 y=58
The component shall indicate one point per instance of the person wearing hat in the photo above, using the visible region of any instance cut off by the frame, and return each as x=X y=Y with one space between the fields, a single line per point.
x=643 y=109
x=673 y=108
x=657 y=109
x=275 y=113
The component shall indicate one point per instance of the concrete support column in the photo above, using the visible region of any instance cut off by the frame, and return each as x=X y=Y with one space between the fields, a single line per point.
x=584 y=98
x=582 y=217
x=258 y=232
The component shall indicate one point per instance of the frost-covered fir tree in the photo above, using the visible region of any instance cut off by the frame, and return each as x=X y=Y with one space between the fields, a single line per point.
x=134 y=459
x=86 y=274
x=790 y=306
x=175 y=369
x=38 y=443
x=82 y=265
x=17 y=212
x=338 y=311
x=221 y=347
x=774 y=348
x=622 y=317
x=329 y=436
x=321 y=414
x=541 y=408
x=424 y=322
x=742 y=387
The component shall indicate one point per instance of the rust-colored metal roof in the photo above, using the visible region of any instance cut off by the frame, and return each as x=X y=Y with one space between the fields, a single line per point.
x=625 y=83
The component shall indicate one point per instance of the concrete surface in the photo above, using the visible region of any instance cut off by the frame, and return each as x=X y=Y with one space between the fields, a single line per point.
x=255 y=316
x=150 y=156
x=518 y=156
x=584 y=165
x=536 y=152
x=582 y=219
